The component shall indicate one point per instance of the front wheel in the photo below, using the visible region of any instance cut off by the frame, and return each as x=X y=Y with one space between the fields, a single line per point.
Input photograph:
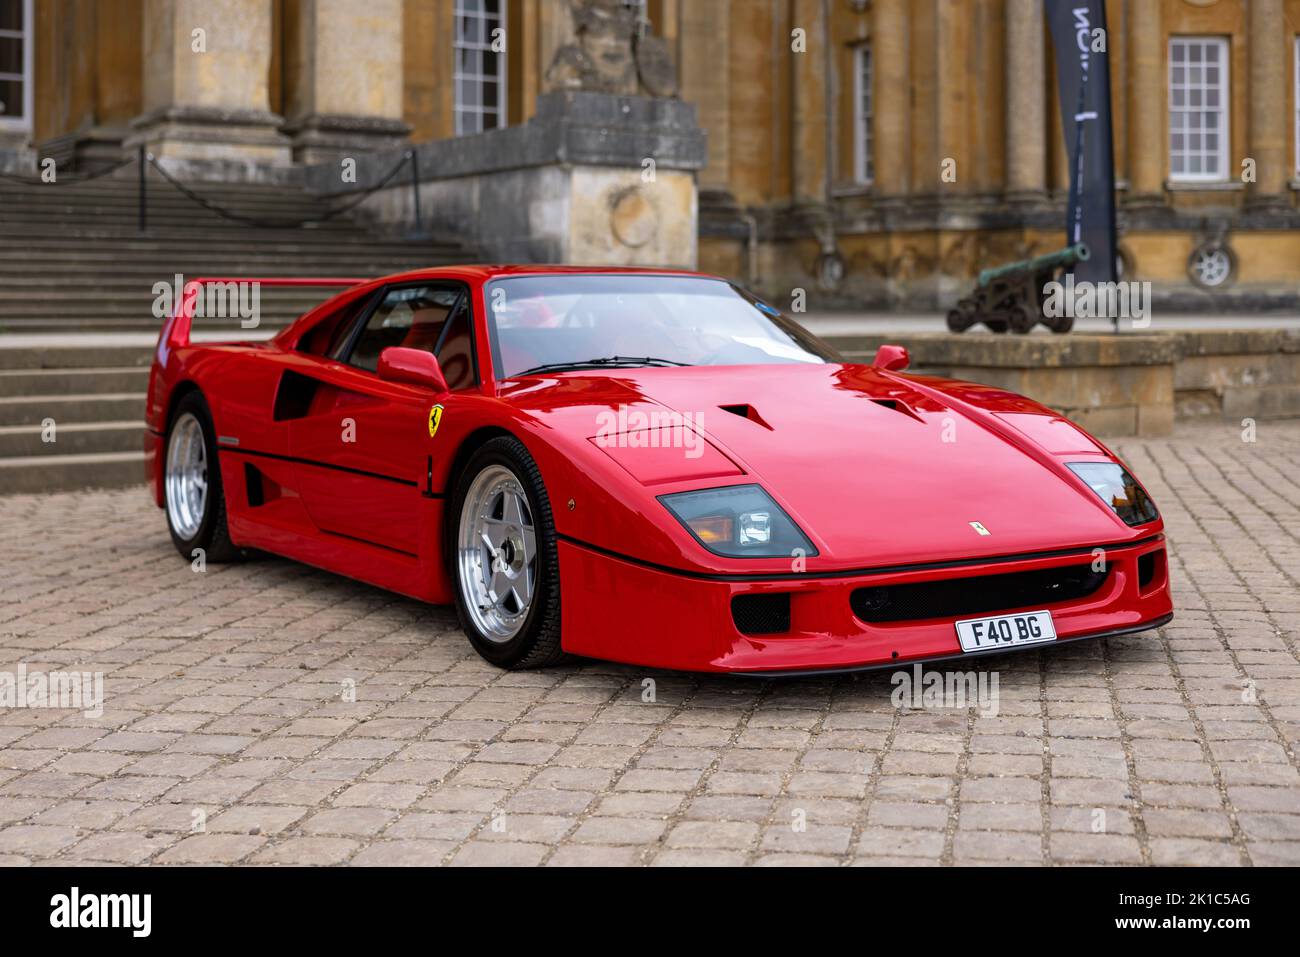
x=503 y=558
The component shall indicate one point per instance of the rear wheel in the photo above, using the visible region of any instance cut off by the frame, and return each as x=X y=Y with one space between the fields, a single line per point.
x=503 y=558
x=193 y=497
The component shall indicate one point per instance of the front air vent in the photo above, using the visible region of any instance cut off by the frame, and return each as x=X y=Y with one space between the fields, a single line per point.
x=977 y=595
x=1151 y=568
x=761 y=614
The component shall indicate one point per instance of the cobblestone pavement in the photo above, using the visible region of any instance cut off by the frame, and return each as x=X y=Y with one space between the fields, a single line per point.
x=227 y=736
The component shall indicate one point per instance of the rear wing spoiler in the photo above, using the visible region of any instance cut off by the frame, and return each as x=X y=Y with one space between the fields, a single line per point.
x=176 y=330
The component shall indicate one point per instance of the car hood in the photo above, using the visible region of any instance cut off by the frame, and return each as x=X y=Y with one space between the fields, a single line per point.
x=877 y=468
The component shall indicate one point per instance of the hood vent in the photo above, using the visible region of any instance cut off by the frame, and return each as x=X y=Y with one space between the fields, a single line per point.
x=746 y=412
x=898 y=406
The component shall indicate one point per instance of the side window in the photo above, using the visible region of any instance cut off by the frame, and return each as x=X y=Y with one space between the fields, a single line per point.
x=328 y=335
x=456 y=351
x=412 y=316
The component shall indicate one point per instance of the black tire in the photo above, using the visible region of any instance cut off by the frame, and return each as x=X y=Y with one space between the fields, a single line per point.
x=537 y=643
x=213 y=536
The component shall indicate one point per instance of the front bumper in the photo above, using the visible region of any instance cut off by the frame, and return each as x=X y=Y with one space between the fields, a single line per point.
x=617 y=609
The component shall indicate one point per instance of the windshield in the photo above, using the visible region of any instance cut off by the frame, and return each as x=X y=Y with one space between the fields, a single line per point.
x=551 y=322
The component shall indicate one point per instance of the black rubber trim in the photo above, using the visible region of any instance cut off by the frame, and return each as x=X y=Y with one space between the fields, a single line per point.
x=854 y=572
x=964 y=655
x=366 y=541
x=233 y=450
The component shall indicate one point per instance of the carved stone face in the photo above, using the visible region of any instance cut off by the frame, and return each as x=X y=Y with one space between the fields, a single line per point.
x=604 y=29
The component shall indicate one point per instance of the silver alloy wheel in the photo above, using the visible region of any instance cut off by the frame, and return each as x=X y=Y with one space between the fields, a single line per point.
x=496 y=548
x=186 y=476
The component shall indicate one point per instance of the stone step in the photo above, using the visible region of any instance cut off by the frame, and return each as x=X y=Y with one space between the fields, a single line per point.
x=50 y=382
x=73 y=356
x=85 y=407
x=221 y=329
x=76 y=438
x=62 y=473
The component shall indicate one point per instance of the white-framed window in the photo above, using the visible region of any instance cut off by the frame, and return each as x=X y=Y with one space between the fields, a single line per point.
x=479 y=72
x=16 y=64
x=1198 y=109
x=863 y=168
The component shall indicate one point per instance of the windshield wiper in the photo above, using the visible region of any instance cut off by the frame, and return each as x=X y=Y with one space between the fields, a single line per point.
x=605 y=363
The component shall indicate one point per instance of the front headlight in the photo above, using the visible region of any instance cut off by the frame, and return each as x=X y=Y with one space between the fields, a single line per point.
x=1118 y=489
x=739 y=521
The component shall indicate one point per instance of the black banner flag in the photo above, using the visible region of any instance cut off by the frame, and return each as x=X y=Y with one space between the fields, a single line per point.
x=1081 y=41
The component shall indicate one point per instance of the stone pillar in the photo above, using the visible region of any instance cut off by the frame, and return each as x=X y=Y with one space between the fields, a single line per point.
x=1026 y=103
x=890 y=99
x=809 y=128
x=205 y=83
x=1147 y=94
x=706 y=82
x=1269 y=118
x=347 y=98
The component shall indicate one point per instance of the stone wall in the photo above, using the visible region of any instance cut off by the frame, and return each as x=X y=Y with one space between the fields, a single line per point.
x=1119 y=385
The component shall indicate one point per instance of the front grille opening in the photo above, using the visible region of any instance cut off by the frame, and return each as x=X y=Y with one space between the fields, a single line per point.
x=1149 y=567
x=762 y=614
x=956 y=597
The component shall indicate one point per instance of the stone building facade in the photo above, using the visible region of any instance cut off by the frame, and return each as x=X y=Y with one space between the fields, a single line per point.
x=873 y=152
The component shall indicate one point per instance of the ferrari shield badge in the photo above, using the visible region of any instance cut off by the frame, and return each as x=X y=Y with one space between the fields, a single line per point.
x=435 y=419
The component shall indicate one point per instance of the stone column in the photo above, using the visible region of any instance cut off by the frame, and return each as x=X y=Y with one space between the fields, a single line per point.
x=1026 y=104
x=890 y=99
x=810 y=154
x=1147 y=94
x=1268 y=115
x=205 y=83
x=347 y=98
x=706 y=82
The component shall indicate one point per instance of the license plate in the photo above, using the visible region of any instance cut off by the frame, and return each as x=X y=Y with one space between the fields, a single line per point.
x=1005 y=631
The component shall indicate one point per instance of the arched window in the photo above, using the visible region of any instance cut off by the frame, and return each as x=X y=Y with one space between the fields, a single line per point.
x=15 y=64
x=480 y=66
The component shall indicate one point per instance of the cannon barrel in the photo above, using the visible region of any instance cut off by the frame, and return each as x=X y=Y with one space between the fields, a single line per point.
x=1064 y=257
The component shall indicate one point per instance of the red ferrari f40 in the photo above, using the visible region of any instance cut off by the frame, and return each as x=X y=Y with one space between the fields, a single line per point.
x=649 y=467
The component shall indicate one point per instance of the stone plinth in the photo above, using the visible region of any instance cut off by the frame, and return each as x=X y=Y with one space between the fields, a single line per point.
x=593 y=178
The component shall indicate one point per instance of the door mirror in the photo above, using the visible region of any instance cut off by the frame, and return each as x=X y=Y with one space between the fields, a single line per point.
x=411 y=367
x=891 y=358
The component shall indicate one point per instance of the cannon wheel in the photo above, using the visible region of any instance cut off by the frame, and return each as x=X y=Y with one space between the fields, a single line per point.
x=1061 y=324
x=959 y=320
x=998 y=326
x=1022 y=320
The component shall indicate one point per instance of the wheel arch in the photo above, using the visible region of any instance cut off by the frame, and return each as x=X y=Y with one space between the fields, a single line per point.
x=468 y=446
x=179 y=392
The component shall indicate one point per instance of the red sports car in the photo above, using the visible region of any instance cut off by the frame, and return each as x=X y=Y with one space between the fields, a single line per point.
x=650 y=467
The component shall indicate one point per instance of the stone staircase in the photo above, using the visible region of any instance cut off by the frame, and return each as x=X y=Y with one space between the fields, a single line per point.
x=77 y=299
x=72 y=258
x=93 y=397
